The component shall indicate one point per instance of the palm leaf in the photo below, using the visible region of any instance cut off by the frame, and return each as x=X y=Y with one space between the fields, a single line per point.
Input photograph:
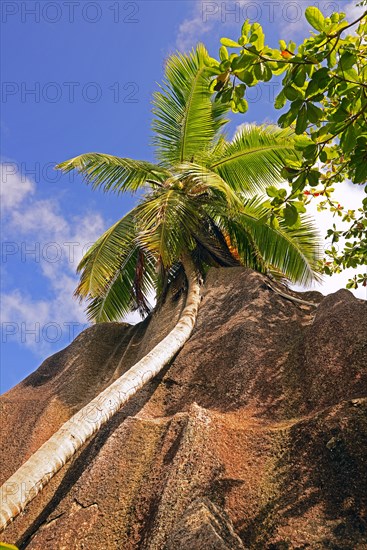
x=107 y=256
x=186 y=120
x=212 y=247
x=169 y=219
x=114 y=173
x=124 y=293
x=254 y=158
x=293 y=252
x=199 y=181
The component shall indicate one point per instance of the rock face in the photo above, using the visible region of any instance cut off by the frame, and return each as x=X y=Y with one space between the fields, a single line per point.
x=254 y=437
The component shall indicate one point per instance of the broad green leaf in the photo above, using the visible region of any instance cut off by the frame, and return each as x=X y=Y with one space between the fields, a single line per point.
x=280 y=100
x=225 y=65
x=247 y=77
x=292 y=93
x=300 y=206
x=245 y=28
x=291 y=215
x=332 y=59
x=223 y=53
x=242 y=105
x=291 y=46
x=310 y=151
x=287 y=118
x=240 y=90
x=347 y=61
x=313 y=177
x=348 y=139
x=272 y=191
x=274 y=222
x=315 y=18
x=229 y=43
x=267 y=72
x=314 y=114
x=296 y=105
x=360 y=174
x=299 y=183
x=259 y=71
x=257 y=37
x=314 y=86
x=301 y=123
x=323 y=156
x=244 y=61
x=351 y=74
x=300 y=76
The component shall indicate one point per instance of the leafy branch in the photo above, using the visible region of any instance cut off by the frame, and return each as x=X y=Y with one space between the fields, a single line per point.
x=324 y=87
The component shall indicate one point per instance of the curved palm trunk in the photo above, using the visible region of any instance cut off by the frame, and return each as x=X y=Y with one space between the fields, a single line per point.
x=33 y=475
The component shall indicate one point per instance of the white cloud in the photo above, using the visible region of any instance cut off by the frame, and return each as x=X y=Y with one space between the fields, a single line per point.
x=206 y=14
x=39 y=235
x=13 y=187
x=37 y=232
x=194 y=28
x=40 y=324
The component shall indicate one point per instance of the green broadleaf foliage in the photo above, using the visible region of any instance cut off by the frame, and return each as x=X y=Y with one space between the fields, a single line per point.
x=292 y=93
x=287 y=118
x=280 y=100
x=314 y=114
x=301 y=123
x=348 y=139
x=347 y=61
x=223 y=53
x=315 y=18
x=291 y=216
x=313 y=177
x=325 y=81
x=229 y=43
x=300 y=76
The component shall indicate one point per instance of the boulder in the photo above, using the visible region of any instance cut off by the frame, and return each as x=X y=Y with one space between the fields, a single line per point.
x=254 y=437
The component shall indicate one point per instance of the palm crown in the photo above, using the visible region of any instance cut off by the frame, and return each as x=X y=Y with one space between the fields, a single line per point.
x=202 y=197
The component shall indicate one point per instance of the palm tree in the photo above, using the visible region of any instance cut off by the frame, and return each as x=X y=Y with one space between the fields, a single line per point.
x=199 y=206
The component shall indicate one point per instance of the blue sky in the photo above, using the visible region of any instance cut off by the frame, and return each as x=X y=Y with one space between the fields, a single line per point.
x=78 y=77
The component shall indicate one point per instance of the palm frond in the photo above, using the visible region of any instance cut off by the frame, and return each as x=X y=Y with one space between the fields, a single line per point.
x=212 y=246
x=168 y=218
x=254 y=158
x=114 y=173
x=293 y=252
x=107 y=256
x=186 y=120
x=199 y=181
x=124 y=293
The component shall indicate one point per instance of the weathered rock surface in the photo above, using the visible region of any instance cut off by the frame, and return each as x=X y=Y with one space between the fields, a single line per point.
x=254 y=437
